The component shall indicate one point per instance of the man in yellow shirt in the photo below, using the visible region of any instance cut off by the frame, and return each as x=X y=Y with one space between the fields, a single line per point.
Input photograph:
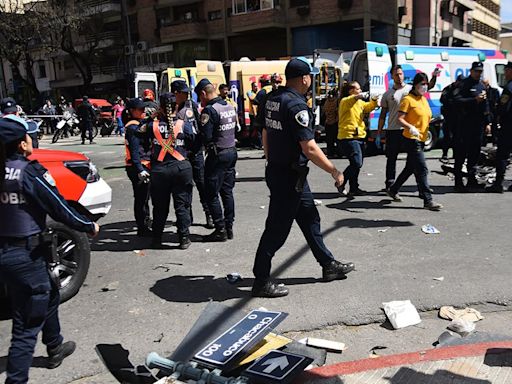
x=352 y=131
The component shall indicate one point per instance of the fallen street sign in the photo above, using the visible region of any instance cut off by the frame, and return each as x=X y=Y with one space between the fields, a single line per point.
x=237 y=341
x=278 y=367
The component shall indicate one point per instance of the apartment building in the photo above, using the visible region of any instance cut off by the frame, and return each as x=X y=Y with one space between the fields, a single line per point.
x=486 y=24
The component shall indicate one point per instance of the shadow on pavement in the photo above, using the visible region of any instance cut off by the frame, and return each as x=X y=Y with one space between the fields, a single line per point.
x=362 y=223
x=115 y=358
x=37 y=362
x=249 y=179
x=407 y=375
x=350 y=204
x=498 y=357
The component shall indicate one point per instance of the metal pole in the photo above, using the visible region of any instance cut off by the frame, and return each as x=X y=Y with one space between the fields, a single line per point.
x=435 y=23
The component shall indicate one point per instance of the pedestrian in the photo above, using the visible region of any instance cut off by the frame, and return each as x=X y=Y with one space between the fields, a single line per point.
x=151 y=106
x=254 y=132
x=218 y=123
x=49 y=110
x=117 y=112
x=87 y=117
x=390 y=105
x=352 y=132
x=289 y=142
x=504 y=134
x=169 y=139
x=415 y=115
x=28 y=194
x=188 y=111
x=137 y=161
x=330 y=111
x=473 y=116
x=449 y=113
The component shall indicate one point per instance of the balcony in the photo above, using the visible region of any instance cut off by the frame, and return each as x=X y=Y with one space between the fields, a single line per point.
x=468 y=4
x=460 y=31
x=102 y=6
x=184 y=30
x=106 y=39
x=270 y=18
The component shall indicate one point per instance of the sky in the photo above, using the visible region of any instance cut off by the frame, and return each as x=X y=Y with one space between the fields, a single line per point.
x=506 y=11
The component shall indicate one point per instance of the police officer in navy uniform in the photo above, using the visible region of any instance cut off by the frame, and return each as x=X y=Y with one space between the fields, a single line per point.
x=188 y=111
x=504 y=132
x=218 y=126
x=289 y=142
x=27 y=195
x=137 y=161
x=87 y=116
x=473 y=115
x=169 y=139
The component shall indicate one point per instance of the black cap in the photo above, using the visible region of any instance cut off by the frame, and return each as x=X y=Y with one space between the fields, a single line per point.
x=8 y=105
x=508 y=65
x=11 y=130
x=201 y=85
x=179 y=86
x=477 y=66
x=135 y=103
x=299 y=67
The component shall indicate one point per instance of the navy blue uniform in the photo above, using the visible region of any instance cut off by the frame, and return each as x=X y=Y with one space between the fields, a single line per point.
x=171 y=175
x=505 y=132
x=138 y=160
x=26 y=197
x=472 y=118
x=218 y=127
x=288 y=121
x=86 y=115
x=188 y=112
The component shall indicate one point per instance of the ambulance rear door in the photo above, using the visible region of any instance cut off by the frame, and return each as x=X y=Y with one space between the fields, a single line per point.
x=145 y=80
x=212 y=70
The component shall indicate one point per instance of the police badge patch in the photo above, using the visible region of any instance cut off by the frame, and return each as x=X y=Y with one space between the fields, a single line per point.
x=504 y=99
x=205 y=118
x=49 y=179
x=302 y=118
x=189 y=113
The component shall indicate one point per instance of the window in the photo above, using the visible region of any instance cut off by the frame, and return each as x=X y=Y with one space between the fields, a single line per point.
x=186 y=13
x=215 y=15
x=164 y=17
x=244 y=6
x=500 y=75
x=42 y=70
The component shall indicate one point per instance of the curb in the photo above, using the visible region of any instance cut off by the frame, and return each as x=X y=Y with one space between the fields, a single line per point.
x=444 y=353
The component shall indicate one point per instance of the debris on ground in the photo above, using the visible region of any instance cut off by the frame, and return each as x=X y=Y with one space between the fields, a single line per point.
x=401 y=314
x=328 y=345
x=373 y=353
x=111 y=286
x=159 y=338
x=207 y=249
x=165 y=266
x=317 y=202
x=462 y=327
x=262 y=207
x=429 y=229
x=383 y=230
x=439 y=278
x=233 y=277
x=139 y=252
x=450 y=313
x=446 y=338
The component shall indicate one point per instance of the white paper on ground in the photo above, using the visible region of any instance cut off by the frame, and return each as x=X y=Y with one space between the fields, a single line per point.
x=401 y=313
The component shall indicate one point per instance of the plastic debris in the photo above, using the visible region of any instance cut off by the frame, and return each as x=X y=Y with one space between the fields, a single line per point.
x=401 y=314
x=450 y=313
x=159 y=338
x=430 y=229
x=111 y=286
x=446 y=338
x=233 y=277
x=383 y=230
x=439 y=278
x=462 y=327
x=329 y=345
x=318 y=202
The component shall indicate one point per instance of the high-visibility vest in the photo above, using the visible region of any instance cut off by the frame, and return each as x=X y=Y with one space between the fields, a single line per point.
x=168 y=144
x=128 y=155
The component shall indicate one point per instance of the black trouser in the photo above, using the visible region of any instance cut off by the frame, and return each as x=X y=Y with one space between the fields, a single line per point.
x=415 y=165
x=287 y=205
x=331 y=131
x=503 y=152
x=140 y=197
x=171 y=178
x=86 y=128
x=467 y=143
x=197 y=161
x=219 y=174
x=447 y=135
x=353 y=149
x=254 y=133
x=394 y=145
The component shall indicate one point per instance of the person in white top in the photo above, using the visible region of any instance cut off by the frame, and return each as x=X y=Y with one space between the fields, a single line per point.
x=390 y=103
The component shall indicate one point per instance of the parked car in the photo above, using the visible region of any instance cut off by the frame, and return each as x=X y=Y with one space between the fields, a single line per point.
x=79 y=182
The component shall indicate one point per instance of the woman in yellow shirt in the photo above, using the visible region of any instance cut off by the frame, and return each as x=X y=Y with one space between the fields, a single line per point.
x=352 y=131
x=414 y=115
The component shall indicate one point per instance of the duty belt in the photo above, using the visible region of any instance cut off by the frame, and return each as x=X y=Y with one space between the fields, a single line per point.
x=30 y=241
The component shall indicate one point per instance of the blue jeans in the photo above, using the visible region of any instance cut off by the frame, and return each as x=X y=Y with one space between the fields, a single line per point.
x=353 y=149
x=219 y=178
x=287 y=205
x=35 y=302
x=120 y=126
x=415 y=165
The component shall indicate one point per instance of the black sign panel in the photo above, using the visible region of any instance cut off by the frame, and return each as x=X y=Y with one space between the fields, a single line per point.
x=278 y=367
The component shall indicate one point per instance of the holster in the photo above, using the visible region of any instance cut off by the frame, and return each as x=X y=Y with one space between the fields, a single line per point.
x=49 y=240
x=211 y=148
x=302 y=172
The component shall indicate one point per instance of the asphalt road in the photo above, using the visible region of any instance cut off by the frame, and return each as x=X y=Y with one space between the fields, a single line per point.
x=160 y=293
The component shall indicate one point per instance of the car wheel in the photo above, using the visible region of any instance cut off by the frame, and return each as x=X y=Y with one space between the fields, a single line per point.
x=74 y=257
x=431 y=140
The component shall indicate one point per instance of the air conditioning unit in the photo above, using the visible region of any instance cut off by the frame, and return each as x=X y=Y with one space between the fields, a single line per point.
x=142 y=45
x=128 y=50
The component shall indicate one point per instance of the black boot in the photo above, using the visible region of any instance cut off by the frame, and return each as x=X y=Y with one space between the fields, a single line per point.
x=497 y=187
x=156 y=242
x=459 y=185
x=269 y=289
x=144 y=232
x=336 y=270
x=185 y=242
x=219 y=234
x=58 y=354
x=209 y=222
x=229 y=232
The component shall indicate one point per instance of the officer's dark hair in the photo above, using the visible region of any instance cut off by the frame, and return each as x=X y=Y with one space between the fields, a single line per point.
x=222 y=86
x=345 y=91
x=126 y=116
x=395 y=68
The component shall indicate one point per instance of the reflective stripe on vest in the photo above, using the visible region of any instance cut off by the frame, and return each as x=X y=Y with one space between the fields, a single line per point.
x=168 y=145
x=128 y=155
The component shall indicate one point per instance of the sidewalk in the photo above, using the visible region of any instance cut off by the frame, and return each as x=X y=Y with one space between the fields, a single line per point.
x=479 y=363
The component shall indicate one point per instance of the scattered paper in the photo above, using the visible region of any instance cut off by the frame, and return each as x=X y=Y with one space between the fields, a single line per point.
x=401 y=314
x=328 y=345
x=383 y=230
x=318 y=202
x=450 y=313
x=430 y=229
x=262 y=207
x=439 y=278
x=111 y=286
x=462 y=327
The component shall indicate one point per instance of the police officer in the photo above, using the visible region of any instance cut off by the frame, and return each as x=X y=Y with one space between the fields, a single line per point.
x=13 y=111
x=504 y=133
x=218 y=125
x=288 y=140
x=169 y=139
x=188 y=111
x=473 y=110
x=87 y=116
x=27 y=194
x=137 y=164
x=449 y=114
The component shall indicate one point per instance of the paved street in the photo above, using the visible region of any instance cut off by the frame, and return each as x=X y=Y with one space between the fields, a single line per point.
x=161 y=292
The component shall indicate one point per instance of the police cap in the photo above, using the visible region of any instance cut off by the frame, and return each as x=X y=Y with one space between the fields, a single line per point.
x=477 y=66
x=201 y=85
x=299 y=67
x=508 y=65
x=11 y=130
x=179 y=86
x=135 y=103
x=8 y=105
